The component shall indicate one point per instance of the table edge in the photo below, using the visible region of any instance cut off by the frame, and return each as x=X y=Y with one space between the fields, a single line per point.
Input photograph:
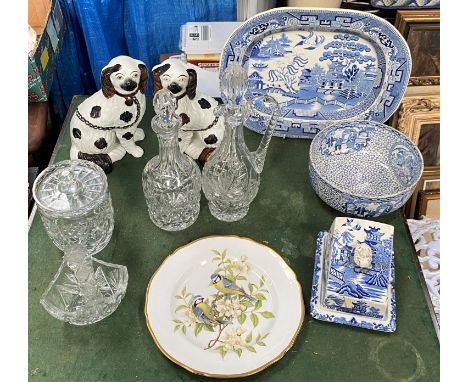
x=422 y=281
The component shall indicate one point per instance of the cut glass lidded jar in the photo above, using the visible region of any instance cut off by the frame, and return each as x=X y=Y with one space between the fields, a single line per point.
x=75 y=205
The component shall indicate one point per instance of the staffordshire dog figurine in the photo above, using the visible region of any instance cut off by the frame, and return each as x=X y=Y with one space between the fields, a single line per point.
x=202 y=131
x=105 y=126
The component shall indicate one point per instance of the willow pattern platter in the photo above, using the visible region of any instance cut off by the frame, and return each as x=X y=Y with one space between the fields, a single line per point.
x=224 y=306
x=321 y=65
x=405 y=4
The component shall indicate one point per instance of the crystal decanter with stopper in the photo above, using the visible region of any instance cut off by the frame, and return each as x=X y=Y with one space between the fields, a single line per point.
x=171 y=180
x=231 y=177
x=84 y=290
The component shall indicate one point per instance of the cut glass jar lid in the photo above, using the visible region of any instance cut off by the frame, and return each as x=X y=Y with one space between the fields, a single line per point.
x=70 y=187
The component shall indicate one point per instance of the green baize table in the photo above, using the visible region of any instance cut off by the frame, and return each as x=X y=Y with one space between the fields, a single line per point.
x=286 y=215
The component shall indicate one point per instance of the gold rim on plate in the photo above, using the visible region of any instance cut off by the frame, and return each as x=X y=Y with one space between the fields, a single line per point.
x=258 y=369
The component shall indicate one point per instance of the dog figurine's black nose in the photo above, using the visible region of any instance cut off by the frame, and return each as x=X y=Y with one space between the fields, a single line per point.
x=129 y=85
x=174 y=88
x=211 y=139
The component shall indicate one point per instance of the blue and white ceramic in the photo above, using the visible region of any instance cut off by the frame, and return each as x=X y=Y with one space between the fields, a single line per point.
x=405 y=4
x=364 y=168
x=353 y=280
x=321 y=65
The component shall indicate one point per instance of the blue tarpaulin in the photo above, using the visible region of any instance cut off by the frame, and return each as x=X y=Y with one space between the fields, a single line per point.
x=98 y=30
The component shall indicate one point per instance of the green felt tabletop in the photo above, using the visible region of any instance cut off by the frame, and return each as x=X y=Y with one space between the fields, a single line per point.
x=287 y=215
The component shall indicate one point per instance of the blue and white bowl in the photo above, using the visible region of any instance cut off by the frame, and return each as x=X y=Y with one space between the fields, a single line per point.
x=364 y=168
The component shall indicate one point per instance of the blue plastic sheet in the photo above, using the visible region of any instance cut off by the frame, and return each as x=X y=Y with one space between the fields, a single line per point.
x=98 y=30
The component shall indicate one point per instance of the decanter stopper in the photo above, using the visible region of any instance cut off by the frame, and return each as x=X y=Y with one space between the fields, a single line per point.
x=233 y=83
x=165 y=105
x=84 y=290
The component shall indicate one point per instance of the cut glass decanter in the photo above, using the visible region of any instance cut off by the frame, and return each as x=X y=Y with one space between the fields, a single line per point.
x=171 y=180
x=84 y=290
x=231 y=176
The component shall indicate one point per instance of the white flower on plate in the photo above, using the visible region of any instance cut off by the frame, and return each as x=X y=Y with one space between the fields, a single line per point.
x=232 y=339
x=230 y=307
x=189 y=317
x=242 y=265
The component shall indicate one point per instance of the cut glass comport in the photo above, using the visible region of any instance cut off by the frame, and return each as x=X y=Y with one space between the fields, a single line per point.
x=84 y=290
x=171 y=180
x=231 y=177
x=75 y=204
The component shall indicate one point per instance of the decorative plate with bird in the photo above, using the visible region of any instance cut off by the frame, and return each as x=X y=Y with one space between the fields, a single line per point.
x=224 y=306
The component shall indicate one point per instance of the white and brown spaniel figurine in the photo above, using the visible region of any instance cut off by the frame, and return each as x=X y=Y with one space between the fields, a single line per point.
x=105 y=125
x=202 y=130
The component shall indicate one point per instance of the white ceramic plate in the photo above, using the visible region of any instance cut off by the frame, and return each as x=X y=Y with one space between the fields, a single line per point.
x=246 y=331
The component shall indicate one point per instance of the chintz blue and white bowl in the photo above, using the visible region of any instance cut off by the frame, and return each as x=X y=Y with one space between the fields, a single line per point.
x=364 y=168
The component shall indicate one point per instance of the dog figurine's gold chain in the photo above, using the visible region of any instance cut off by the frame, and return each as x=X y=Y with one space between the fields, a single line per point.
x=215 y=121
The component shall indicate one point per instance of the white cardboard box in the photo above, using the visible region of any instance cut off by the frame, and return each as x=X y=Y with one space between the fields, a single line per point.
x=205 y=37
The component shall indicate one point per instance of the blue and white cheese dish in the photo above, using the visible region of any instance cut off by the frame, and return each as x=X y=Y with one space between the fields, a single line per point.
x=353 y=279
x=321 y=65
x=364 y=168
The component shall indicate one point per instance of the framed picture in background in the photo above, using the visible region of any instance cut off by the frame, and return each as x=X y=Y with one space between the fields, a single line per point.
x=429 y=182
x=419 y=119
x=421 y=29
x=429 y=205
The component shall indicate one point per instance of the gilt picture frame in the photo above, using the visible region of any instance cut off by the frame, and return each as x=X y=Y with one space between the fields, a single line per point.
x=429 y=182
x=421 y=29
x=429 y=205
x=419 y=119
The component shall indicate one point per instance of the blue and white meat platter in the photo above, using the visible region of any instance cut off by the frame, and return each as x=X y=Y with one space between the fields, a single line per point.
x=354 y=273
x=321 y=65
